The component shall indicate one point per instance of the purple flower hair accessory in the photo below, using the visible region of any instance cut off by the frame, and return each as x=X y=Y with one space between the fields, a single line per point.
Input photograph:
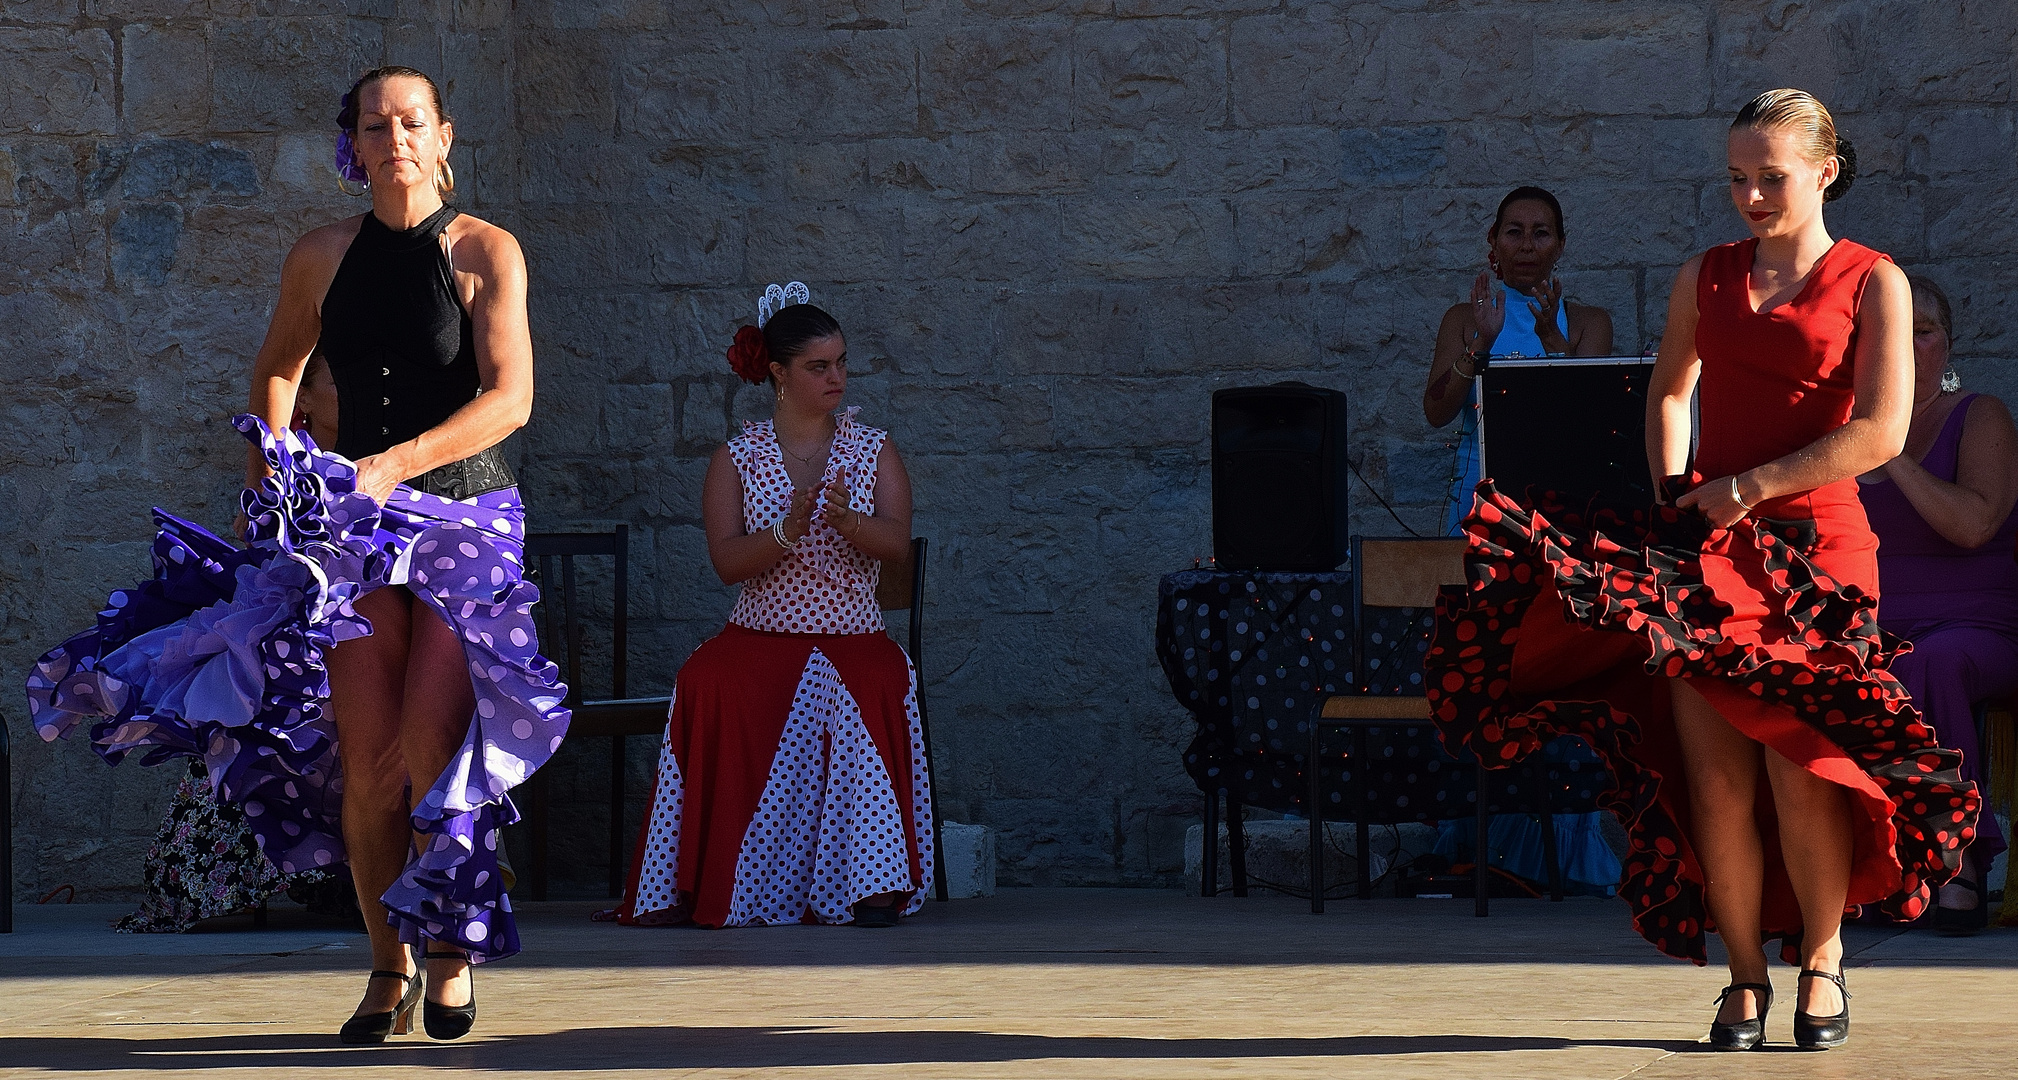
x=347 y=165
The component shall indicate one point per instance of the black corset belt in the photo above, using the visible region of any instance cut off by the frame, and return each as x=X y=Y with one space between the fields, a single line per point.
x=479 y=474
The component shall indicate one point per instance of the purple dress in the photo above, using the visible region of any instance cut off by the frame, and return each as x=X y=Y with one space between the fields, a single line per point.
x=220 y=657
x=1959 y=608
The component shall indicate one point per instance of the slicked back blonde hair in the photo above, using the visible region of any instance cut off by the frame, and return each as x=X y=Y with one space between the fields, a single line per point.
x=1802 y=113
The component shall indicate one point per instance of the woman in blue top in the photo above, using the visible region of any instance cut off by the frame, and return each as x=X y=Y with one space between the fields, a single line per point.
x=1521 y=252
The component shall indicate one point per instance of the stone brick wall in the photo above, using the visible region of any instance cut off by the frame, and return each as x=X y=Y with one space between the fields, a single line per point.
x=1052 y=227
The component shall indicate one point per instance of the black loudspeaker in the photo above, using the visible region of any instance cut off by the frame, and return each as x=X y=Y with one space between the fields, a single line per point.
x=1278 y=478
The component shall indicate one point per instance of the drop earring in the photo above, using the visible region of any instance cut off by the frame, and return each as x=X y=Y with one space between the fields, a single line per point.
x=1951 y=380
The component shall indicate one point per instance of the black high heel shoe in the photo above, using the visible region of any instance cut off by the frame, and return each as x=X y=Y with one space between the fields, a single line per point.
x=1813 y=1032
x=446 y=1022
x=1949 y=922
x=1745 y=1034
x=369 y=1028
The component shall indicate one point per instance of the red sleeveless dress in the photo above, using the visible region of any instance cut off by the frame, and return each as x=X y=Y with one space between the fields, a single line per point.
x=1575 y=616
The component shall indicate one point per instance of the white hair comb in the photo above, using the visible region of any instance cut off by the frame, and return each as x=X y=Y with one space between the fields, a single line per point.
x=777 y=298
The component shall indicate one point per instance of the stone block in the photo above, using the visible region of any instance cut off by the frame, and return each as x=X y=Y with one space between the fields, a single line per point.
x=683 y=87
x=970 y=860
x=836 y=84
x=1623 y=59
x=911 y=329
x=166 y=78
x=1858 y=57
x=10 y=175
x=173 y=168
x=1110 y=412
x=826 y=243
x=1169 y=71
x=599 y=14
x=1001 y=76
x=1151 y=238
x=568 y=81
x=1372 y=68
x=477 y=82
x=1643 y=150
x=974 y=416
x=273 y=74
x=704 y=414
x=1375 y=157
x=64 y=249
x=978 y=241
x=29 y=12
x=1282 y=236
x=1278 y=855
x=1884 y=213
x=56 y=82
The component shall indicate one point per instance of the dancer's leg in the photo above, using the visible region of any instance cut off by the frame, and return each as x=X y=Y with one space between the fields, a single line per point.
x=435 y=718
x=1816 y=840
x=1723 y=770
x=367 y=677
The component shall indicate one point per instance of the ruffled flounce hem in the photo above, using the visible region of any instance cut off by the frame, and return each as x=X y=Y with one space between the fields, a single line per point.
x=221 y=655
x=1647 y=579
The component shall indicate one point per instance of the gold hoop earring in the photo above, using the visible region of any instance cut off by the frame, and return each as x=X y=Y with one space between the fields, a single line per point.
x=444 y=179
x=361 y=188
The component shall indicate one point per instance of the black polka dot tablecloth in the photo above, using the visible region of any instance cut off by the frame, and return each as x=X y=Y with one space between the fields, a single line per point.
x=1248 y=653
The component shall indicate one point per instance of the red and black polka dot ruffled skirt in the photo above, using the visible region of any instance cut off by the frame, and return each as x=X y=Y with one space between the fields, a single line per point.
x=1628 y=606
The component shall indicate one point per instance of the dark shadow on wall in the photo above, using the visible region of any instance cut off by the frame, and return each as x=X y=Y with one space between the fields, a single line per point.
x=653 y=1048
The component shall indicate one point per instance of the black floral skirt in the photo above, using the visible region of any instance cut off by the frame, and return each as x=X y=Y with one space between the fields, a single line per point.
x=204 y=863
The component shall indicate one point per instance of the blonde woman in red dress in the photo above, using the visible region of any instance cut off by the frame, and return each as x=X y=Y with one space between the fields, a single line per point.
x=792 y=784
x=1722 y=652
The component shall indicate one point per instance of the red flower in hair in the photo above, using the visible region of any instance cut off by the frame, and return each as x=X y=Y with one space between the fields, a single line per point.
x=749 y=357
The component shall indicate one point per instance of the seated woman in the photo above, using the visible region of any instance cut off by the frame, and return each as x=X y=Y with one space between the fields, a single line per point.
x=1943 y=514
x=1522 y=248
x=792 y=784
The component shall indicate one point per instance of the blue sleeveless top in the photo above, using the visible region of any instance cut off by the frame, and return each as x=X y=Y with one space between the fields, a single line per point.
x=1516 y=338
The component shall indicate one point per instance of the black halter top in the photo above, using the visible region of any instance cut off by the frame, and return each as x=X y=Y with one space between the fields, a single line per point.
x=400 y=349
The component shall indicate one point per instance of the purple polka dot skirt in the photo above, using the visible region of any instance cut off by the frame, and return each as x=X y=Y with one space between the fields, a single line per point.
x=220 y=656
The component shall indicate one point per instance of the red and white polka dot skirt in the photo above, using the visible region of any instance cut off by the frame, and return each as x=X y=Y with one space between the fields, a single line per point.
x=792 y=779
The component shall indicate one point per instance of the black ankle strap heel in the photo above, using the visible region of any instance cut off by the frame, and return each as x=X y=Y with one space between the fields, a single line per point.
x=1745 y=1034
x=1813 y=1032
x=449 y=1021
x=369 y=1028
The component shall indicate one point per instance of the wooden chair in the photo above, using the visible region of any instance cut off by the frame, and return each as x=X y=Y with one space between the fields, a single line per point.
x=1395 y=584
x=901 y=587
x=619 y=717
x=1388 y=575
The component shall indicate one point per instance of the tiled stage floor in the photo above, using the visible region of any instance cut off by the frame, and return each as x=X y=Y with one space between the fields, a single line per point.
x=1031 y=983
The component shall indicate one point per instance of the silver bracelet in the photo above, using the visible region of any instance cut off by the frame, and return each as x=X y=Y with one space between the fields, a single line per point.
x=1737 y=498
x=778 y=534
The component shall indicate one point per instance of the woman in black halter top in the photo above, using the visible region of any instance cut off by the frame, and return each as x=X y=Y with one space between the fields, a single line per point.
x=421 y=313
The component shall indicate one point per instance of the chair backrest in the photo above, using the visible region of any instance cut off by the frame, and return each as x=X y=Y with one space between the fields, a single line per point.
x=1394 y=587
x=901 y=587
x=1399 y=573
x=561 y=611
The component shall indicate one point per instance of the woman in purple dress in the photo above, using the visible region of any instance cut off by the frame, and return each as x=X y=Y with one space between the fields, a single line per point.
x=1943 y=514
x=362 y=679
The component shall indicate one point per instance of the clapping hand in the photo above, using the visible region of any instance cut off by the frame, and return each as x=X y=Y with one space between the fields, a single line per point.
x=799 y=521
x=834 y=505
x=1488 y=311
x=1548 y=300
